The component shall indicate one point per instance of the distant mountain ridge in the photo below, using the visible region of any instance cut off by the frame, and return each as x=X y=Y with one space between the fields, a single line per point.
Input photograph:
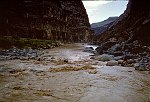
x=100 y=27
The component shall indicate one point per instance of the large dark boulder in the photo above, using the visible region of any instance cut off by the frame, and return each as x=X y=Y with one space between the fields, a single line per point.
x=105 y=46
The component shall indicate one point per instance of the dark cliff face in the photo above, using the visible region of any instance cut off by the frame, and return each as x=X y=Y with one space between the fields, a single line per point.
x=132 y=25
x=129 y=37
x=44 y=19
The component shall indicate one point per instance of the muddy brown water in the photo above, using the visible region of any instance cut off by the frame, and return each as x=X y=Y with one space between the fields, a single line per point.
x=67 y=74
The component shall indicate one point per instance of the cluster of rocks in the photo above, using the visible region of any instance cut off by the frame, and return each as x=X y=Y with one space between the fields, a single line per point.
x=15 y=53
x=128 y=55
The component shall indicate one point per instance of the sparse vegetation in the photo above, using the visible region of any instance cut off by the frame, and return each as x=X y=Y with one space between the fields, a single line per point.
x=9 y=41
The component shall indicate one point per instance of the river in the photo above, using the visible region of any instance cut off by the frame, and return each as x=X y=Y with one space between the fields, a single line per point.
x=67 y=74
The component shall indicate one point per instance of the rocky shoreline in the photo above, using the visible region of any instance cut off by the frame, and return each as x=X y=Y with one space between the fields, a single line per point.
x=110 y=52
x=23 y=54
x=127 y=55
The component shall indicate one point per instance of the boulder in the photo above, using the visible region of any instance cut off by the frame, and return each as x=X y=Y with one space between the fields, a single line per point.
x=130 y=61
x=116 y=47
x=117 y=53
x=140 y=66
x=128 y=56
x=129 y=65
x=118 y=58
x=89 y=49
x=66 y=61
x=112 y=63
x=105 y=46
x=120 y=61
x=103 y=57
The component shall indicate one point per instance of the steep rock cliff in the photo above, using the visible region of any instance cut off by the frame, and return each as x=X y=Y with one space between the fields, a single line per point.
x=132 y=25
x=44 y=19
x=128 y=39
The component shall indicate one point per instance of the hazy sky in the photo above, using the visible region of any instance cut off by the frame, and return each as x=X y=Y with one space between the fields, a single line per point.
x=101 y=10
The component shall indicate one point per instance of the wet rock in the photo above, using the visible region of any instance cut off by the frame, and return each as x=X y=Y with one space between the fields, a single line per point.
x=116 y=47
x=128 y=56
x=92 y=72
x=117 y=53
x=112 y=63
x=141 y=50
x=120 y=61
x=124 y=63
x=145 y=59
x=118 y=58
x=24 y=58
x=4 y=58
x=148 y=65
x=88 y=49
x=143 y=54
x=39 y=59
x=13 y=58
x=66 y=61
x=105 y=46
x=14 y=53
x=103 y=57
x=14 y=71
x=140 y=66
x=93 y=57
x=17 y=88
x=52 y=57
x=130 y=61
x=32 y=57
x=36 y=71
x=129 y=65
x=5 y=69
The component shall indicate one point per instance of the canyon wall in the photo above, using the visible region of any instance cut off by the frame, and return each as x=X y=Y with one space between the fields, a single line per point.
x=128 y=40
x=132 y=25
x=44 y=19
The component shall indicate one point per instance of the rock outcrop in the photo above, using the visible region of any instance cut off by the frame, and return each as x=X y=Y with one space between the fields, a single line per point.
x=129 y=37
x=132 y=25
x=44 y=19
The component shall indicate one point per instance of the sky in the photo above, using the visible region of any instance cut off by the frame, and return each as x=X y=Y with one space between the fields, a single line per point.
x=100 y=10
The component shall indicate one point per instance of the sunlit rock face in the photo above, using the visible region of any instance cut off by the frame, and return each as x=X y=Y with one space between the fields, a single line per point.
x=44 y=19
x=132 y=25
